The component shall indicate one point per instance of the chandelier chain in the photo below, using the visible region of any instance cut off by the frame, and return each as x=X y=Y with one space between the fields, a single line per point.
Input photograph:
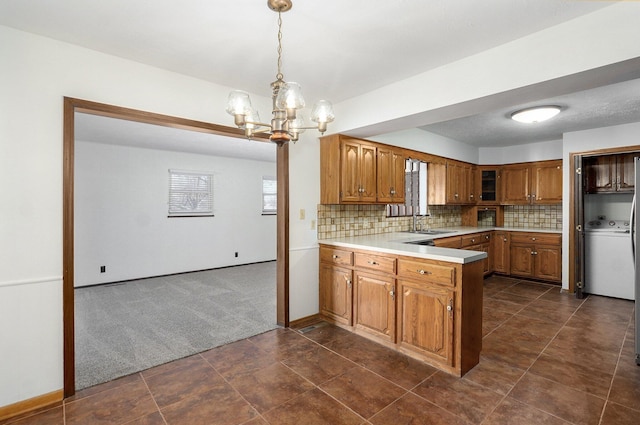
x=279 y=75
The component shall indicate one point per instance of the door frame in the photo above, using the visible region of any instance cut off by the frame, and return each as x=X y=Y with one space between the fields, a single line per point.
x=575 y=157
x=73 y=105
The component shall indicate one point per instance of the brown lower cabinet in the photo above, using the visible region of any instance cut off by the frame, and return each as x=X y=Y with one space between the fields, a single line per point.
x=430 y=310
x=535 y=255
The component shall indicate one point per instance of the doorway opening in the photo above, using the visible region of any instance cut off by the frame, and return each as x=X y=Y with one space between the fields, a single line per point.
x=592 y=197
x=71 y=106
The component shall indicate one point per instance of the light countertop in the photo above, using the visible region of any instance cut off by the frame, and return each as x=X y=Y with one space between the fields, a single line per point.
x=396 y=243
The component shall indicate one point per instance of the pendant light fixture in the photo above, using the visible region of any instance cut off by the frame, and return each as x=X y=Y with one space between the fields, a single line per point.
x=286 y=123
x=536 y=114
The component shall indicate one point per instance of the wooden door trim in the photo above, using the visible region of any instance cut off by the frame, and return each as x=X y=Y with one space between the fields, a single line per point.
x=73 y=105
x=572 y=206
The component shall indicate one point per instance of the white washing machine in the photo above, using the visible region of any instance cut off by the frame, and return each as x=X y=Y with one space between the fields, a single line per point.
x=608 y=263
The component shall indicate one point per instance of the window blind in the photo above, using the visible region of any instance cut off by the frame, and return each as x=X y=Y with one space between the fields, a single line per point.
x=190 y=193
x=269 y=195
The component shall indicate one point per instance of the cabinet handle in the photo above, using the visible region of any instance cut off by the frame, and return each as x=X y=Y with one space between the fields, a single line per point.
x=487 y=237
x=471 y=196
x=473 y=240
x=423 y=272
x=348 y=281
x=455 y=195
x=393 y=294
x=505 y=239
x=393 y=192
x=533 y=239
x=335 y=257
x=373 y=263
x=450 y=307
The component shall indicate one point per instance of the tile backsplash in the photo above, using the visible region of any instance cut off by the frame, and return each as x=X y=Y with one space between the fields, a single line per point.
x=537 y=216
x=338 y=221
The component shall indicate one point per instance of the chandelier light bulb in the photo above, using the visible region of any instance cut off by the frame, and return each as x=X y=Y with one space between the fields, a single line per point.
x=239 y=103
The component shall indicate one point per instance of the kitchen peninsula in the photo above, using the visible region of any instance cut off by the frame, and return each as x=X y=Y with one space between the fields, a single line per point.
x=424 y=301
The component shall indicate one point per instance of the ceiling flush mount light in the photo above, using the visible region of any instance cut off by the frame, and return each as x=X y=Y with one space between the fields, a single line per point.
x=537 y=114
x=286 y=123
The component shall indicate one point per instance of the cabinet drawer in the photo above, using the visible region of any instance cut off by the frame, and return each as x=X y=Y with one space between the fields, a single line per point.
x=537 y=238
x=336 y=256
x=426 y=272
x=475 y=239
x=375 y=262
x=450 y=242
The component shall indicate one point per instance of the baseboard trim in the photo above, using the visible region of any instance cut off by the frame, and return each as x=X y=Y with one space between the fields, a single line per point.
x=35 y=403
x=305 y=321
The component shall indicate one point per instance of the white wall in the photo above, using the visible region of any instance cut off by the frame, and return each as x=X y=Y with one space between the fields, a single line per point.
x=423 y=141
x=522 y=153
x=36 y=74
x=584 y=141
x=121 y=214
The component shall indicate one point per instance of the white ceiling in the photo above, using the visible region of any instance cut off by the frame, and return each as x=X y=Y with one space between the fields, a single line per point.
x=336 y=49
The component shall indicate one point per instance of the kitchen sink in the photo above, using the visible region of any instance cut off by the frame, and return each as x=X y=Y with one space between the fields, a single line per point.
x=428 y=242
x=432 y=232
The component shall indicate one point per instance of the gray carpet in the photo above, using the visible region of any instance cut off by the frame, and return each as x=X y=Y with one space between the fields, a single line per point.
x=128 y=327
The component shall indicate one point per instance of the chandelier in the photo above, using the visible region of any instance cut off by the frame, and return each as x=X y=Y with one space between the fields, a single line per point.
x=286 y=123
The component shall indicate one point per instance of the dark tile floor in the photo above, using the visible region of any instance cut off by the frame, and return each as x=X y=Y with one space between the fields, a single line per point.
x=547 y=359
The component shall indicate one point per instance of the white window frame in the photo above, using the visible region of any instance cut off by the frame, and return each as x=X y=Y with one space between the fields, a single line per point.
x=265 y=210
x=193 y=197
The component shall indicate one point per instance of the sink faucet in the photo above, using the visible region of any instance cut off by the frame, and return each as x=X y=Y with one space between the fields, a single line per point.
x=416 y=223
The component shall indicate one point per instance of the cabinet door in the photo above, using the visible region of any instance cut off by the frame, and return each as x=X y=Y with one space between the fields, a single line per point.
x=601 y=174
x=425 y=320
x=522 y=262
x=368 y=179
x=468 y=183
x=398 y=178
x=487 y=186
x=547 y=183
x=385 y=175
x=501 y=252
x=336 y=293
x=515 y=185
x=460 y=182
x=350 y=172
x=626 y=173
x=390 y=174
x=548 y=263
x=375 y=305
x=454 y=176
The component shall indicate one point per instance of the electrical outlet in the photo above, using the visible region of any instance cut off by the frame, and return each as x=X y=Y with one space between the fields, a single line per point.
x=313 y=225
x=103 y=269
x=302 y=213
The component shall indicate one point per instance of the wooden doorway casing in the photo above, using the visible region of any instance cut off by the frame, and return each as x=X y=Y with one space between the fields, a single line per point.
x=573 y=220
x=71 y=106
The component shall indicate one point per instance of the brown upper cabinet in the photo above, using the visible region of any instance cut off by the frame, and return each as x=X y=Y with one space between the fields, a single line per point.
x=610 y=173
x=355 y=171
x=532 y=183
x=488 y=188
x=391 y=165
x=452 y=182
